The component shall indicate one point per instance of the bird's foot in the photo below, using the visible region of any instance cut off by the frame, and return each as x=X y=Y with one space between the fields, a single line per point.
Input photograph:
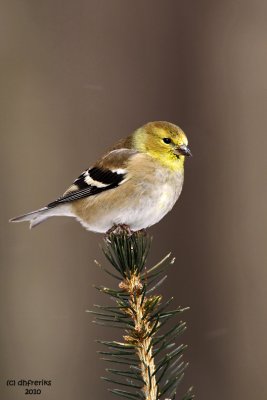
x=121 y=229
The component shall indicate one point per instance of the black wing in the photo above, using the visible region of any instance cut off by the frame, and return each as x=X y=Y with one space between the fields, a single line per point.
x=91 y=182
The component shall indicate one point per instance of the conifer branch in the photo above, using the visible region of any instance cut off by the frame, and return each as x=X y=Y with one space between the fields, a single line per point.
x=149 y=364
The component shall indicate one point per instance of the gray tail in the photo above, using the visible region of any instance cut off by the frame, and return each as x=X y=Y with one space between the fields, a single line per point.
x=34 y=217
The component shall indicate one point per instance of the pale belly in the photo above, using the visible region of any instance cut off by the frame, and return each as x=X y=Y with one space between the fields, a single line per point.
x=144 y=209
x=149 y=210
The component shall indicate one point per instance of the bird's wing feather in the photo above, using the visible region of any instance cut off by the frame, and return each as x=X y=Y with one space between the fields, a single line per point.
x=108 y=173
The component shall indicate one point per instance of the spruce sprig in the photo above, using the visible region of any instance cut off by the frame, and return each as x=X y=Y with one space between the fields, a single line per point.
x=148 y=364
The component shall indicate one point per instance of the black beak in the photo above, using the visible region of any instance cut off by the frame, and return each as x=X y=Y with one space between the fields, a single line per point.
x=184 y=150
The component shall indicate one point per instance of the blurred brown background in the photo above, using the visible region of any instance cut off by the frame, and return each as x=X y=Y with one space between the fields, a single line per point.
x=77 y=76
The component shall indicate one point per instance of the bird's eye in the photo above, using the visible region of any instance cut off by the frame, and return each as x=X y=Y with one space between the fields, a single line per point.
x=167 y=140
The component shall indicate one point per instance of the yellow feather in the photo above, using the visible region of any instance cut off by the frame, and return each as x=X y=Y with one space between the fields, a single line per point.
x=149 y=139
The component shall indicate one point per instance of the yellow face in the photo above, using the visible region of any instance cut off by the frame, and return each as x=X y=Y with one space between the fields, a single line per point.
x=164 y=141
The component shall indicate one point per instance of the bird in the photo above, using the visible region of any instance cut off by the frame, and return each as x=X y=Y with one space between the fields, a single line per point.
x=135 y=184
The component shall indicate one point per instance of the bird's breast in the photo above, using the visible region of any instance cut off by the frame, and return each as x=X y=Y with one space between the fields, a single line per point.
x=169 y=186
x=148 y=193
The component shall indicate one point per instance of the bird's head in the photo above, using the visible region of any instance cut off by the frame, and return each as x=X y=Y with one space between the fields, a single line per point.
x=164 y=141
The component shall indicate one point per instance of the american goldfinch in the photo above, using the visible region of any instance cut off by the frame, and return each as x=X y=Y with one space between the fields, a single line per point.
x=135 y=183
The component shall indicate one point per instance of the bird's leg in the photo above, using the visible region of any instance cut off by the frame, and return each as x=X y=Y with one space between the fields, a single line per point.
x=119 y=230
